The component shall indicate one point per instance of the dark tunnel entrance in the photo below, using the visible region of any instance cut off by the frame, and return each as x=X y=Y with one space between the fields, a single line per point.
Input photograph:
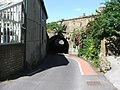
x=58 y=44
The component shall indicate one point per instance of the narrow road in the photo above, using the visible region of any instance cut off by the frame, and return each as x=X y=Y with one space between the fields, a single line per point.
x=59 y=72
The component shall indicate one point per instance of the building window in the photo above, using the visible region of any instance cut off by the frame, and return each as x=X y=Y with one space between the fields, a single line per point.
x=10 y=24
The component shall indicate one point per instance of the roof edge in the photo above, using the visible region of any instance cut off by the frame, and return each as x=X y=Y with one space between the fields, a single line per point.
x=44 y=8
x=79 y=18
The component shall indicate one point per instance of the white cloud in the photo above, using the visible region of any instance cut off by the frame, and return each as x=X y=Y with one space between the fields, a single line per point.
x=77 y=9
x=81 y=9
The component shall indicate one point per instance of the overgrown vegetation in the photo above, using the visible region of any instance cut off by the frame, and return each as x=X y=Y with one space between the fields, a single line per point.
x=105 y=25
x=56 y=27
x=77 y=37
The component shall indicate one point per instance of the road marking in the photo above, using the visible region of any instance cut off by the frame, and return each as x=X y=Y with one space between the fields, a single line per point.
x=80 y=67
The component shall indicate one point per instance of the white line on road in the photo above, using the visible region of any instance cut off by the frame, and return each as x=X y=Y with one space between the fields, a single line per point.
x=80 y=68
x=78 y=64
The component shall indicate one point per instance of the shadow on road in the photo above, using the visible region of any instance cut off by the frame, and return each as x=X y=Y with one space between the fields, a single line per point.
x=54 y=60
x=51 y=61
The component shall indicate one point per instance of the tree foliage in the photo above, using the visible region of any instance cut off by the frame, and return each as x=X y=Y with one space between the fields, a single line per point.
x=55 y=27
x=105 y=24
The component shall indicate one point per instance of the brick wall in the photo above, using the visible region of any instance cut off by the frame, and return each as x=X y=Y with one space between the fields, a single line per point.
x=11 y=59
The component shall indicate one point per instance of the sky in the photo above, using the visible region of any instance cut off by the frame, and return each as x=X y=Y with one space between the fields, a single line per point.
x=67 y=9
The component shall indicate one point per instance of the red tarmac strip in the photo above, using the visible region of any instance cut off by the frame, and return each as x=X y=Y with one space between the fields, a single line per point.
x=85 y=66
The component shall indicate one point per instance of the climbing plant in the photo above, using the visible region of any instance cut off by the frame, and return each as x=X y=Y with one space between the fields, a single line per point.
x=77 y=37
x=105 y=25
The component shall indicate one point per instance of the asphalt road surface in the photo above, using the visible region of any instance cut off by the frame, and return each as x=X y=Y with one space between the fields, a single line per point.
x=58 y=73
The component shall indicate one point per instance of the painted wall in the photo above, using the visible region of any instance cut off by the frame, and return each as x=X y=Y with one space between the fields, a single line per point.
x=36 y=32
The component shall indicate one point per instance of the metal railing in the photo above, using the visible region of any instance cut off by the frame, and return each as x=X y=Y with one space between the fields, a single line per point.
x=10 y=22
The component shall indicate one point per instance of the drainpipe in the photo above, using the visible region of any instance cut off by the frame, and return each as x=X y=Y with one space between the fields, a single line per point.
x=25 y=30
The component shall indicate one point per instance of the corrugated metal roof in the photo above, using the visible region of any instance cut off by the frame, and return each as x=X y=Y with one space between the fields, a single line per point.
x=4 y=6
x=1 y=4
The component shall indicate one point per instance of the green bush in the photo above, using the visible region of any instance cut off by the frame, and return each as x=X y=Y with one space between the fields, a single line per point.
x=106 y=24
x=90 y=51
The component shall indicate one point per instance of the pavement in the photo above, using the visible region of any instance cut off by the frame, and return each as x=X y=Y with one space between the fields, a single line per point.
x=114 y=74
x=60 y=72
